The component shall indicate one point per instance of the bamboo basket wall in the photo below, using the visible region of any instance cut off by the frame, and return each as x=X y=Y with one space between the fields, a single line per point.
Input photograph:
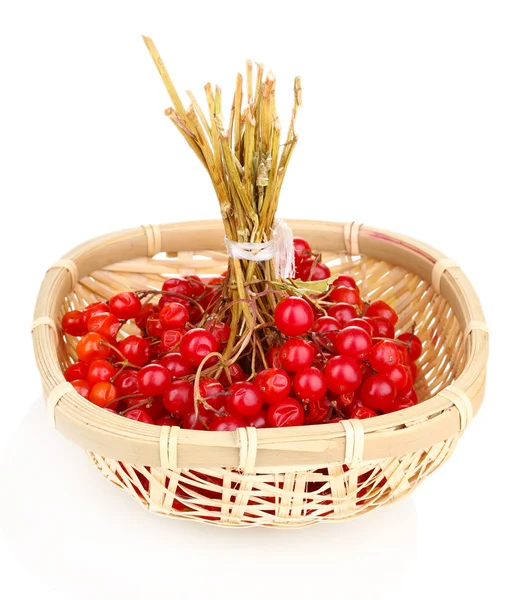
x=285 y=477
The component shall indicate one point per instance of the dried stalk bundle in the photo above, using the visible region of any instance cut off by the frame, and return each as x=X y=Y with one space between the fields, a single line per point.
x=246 y=162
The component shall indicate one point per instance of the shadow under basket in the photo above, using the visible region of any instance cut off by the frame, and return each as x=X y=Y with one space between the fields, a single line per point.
x=283 y=477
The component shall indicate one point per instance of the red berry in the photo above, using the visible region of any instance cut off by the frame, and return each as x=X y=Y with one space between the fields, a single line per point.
x=245 y=399
x=345 y=295
x=220 y=330
x=196 y=344
x=77 y=370
x=211 y=390
x=235 y=374
x=344 y=313
x=343 y=374
x=414 y=347
x=345 y=281
x=382 y=327
x=296 y=354
x=196 y=285
x=167 y=421
x=105 y=324
x=260 y=421
x=73 y=323
x=125 y=305
x=414 y=372
x=145 y=312
x=82 y=386
x=177 y=364
x=317 y=411
x=103 y=393
x=171 y=339
x=302 y=249
x=92 y=347
x=309 y=384
x=274 y=384
x=178 y=398
x=401 y=377
x=138 y=414
x=293 y=316
x=95 y=308
x=378 y=392
x=354 y=341
x=230 y=423
x=201 y=422
x=177 y=285
x=274 y=357
x=378 y=308
x=136 y=350
x=153 y=380
x=173 y=315
x=362 y=412
x=345 y=401
x=411 y=396
x=153 y=327
x=310 y=270
x=362 y=324
x=286 y=413
x=384 y=355
x=328 y=327
x=127 y=382
x=100 y=370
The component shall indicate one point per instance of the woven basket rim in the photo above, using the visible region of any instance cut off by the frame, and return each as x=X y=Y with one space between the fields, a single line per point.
x=412 y=429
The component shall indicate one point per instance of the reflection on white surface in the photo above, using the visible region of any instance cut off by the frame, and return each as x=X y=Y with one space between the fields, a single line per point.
x=80 y=535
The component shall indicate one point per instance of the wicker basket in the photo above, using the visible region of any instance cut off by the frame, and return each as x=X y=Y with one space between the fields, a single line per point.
x=285 y=477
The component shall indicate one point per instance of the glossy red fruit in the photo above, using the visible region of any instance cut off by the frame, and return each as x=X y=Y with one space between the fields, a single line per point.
x=73 y=323
x=327 y=327
x=234 y=374
x=95 y=308
x=293 y=316
x=317 y=411
x=345 y=281
x=343 y=374
x=411 y=396
x=178 y=286
x=244 y=399
x=374 y=326
x=345 y=295
x=362 y=324
x=92 y=347
x=100 y=370
x=378 y=392
x=230 y=423
x=274 y=384
x=309 y=384
x=138 y=414
x=174 y=315
x=402 y=403
x=103 y=393
x=167 y=421
x=127 y=382
x=384 y=355
x=221 y=331
x=286 y=413
x=260 y=421
x=302 y=249
x=177 y=365
x=414 y=372
x=153 y=380
x=274 y=357
x=136 y=350
x=196 y=284
x=178 y=397
x=296 y=354
x=211 y=390
x=378 y=308
x=145 y=312
x=362 y=412
x=125 y=305
x=414 y=347
x=171 y=339
x=196 y=344
x=354 y=341
x=382 y=328
x=105 y=324
x=153 y=327
x=344 y=313
x=82 y=386
x=77 y=370
x=345 y=401
x=202 y=422
x=401 y=377
x=310 y=270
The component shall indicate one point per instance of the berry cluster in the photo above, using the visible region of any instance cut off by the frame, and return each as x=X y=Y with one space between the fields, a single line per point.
x=329 y=356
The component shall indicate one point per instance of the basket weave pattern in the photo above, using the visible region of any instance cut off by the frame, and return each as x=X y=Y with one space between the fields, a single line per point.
x=278 y=492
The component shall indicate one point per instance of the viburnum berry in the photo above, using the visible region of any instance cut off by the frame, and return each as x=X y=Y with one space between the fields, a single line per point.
x=82 y=386
x=102 y=393
x=153 y=326
x=178 y=286
x=378 y=308
x=327 y=327
x=274 y=357
x=153 y=379
x=383 y=328
x=345 y=281
x=138 y=414
x=229 y=423
x=171 y=339
x=311 y=270
x=354 y=341
x=345 y=295
x=401 y=377
x=414 y=347
x=145 y=312
x=177 y=365
x=91 y=347
x=105 y=324
x=95 y=308
x=100 y=370
x=244 y=399
x=77 y=370
x=201 y=422
x=167 y=421
x=73 y=323
x=127 y=382
x=174 y=315
x=211 y=390
x=344 y=313
x=178 y=397
x=286 y=413
x=296 y=354
x=221 y=331
x=125 y=306
x=196 y=344
x=362 y=324
x=293 y=316
x=302 y=249
x=343 y=374
x=362 y=412
x=136 y=350
x=384 y=355
x=274 y=384
x=260 y=421
x=196 y=284
x=232 y=374
x=309 y=384
x=378 y=392
x=317 y=411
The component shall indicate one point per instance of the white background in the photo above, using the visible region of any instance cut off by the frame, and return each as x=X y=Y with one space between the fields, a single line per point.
x=412 y=121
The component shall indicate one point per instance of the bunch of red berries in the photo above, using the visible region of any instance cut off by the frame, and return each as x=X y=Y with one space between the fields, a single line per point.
x=330 y=356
